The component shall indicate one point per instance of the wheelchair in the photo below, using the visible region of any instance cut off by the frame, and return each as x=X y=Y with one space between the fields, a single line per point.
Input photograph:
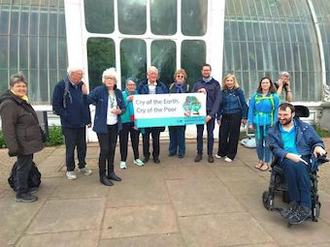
x=278 y=184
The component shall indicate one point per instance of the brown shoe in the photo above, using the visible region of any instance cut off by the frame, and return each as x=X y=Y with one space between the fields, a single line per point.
x=198 y=158
x=210 y=159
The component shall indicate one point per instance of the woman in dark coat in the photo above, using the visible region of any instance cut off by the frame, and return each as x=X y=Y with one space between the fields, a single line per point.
x=21 y=132
x=109 y=105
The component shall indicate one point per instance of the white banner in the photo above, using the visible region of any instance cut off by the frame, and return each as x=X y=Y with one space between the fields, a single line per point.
x=152 y=110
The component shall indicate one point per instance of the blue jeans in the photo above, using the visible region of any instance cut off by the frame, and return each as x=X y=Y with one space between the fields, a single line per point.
x=263 y=150
x=298 y=182
x=177 y=140
x=210 y=137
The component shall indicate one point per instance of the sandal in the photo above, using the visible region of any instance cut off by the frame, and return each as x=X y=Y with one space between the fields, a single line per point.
x=259 y=165
x=264 y=167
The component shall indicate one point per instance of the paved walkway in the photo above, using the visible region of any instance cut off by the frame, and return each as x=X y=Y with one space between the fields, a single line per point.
x=176 y=203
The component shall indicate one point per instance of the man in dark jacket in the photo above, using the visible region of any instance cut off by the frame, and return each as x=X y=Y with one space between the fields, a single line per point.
x=152 y=86
x=70 y=103
x=21 y=132
x=293 y=142
x=211 y=87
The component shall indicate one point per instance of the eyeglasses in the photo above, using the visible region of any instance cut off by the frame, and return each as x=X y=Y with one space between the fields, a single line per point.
x=109 y=78
x=132 y=85
x=180 y=76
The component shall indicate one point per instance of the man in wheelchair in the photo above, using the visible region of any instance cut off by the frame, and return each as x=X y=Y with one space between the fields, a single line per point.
x=293 y=142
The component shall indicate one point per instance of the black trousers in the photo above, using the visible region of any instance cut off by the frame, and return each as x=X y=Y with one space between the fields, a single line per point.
x=24 y=164
x=155 y=134
x=107 y=142
x=123 y=140
x=74 y=137
x=229 y=131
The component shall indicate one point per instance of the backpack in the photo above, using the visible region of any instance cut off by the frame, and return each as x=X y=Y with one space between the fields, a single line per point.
x=34 y=178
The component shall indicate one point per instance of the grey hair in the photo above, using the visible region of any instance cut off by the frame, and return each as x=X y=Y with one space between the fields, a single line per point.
x=152 y=68
x=72 y=69
x=283 y=74
x=16 y=78
x=111 y=72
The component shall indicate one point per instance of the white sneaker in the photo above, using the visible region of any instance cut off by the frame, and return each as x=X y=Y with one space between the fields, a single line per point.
x=138 y=162
x=86 y=171
x=228 y=159
x=122 y=165
x=71 y=175
x=218 y=156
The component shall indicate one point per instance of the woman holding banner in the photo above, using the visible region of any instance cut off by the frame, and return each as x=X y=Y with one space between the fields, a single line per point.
x=129 y=126
x=110 y=105
x=177 y=133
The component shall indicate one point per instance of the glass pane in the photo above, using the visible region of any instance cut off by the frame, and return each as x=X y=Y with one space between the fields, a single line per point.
x=3 y=52
x=163 y=17
x=23 y=58
x=132 y=16
x=33 y=23
x=100 y=56
x=163 y=56
x=43 y=23
x=193 y=56
x=14 y=21
x=4 y=23
x=52 y=24
x=43 y=84
x=194 y=17
x=34 y=53
x=52 y=53
x=99 y=16
x=24 y=23
x=43 y=53
x=13 y=52
x=5 y=81
x=133 y=59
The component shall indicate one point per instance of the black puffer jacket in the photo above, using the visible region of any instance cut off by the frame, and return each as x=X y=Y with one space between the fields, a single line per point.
x=20 y=125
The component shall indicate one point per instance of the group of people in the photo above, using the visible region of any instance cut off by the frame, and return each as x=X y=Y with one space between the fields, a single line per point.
x=273 y=124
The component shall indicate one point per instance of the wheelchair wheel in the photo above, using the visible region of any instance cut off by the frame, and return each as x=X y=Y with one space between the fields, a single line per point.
x=285 y=197
x=266 y=200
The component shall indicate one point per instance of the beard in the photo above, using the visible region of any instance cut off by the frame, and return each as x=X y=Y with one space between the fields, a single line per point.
x=286 y=121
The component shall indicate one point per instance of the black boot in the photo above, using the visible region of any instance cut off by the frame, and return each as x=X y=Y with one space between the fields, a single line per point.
x=104 y=180
x=25 y=197
x=114 y=177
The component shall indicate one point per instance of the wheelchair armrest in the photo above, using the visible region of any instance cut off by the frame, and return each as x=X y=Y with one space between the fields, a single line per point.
x=322 y=159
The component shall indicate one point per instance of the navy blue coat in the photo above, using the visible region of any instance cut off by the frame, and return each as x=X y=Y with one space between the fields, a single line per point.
x=143 y=88
x=76 y=114
x=99 y=96
x=306 y=139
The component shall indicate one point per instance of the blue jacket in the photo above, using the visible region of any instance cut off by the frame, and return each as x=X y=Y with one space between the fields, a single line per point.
x=214 y=97
x=143 y=88
x=233 y=101
x=76 y=114
x=100 y=96
x=306 y=139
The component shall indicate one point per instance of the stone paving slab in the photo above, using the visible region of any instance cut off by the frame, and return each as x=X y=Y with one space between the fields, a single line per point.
x=230 y=229
x=201 y=196
x=63 y=239
x=68 y=215
x=162 y=240
x=139 y=221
